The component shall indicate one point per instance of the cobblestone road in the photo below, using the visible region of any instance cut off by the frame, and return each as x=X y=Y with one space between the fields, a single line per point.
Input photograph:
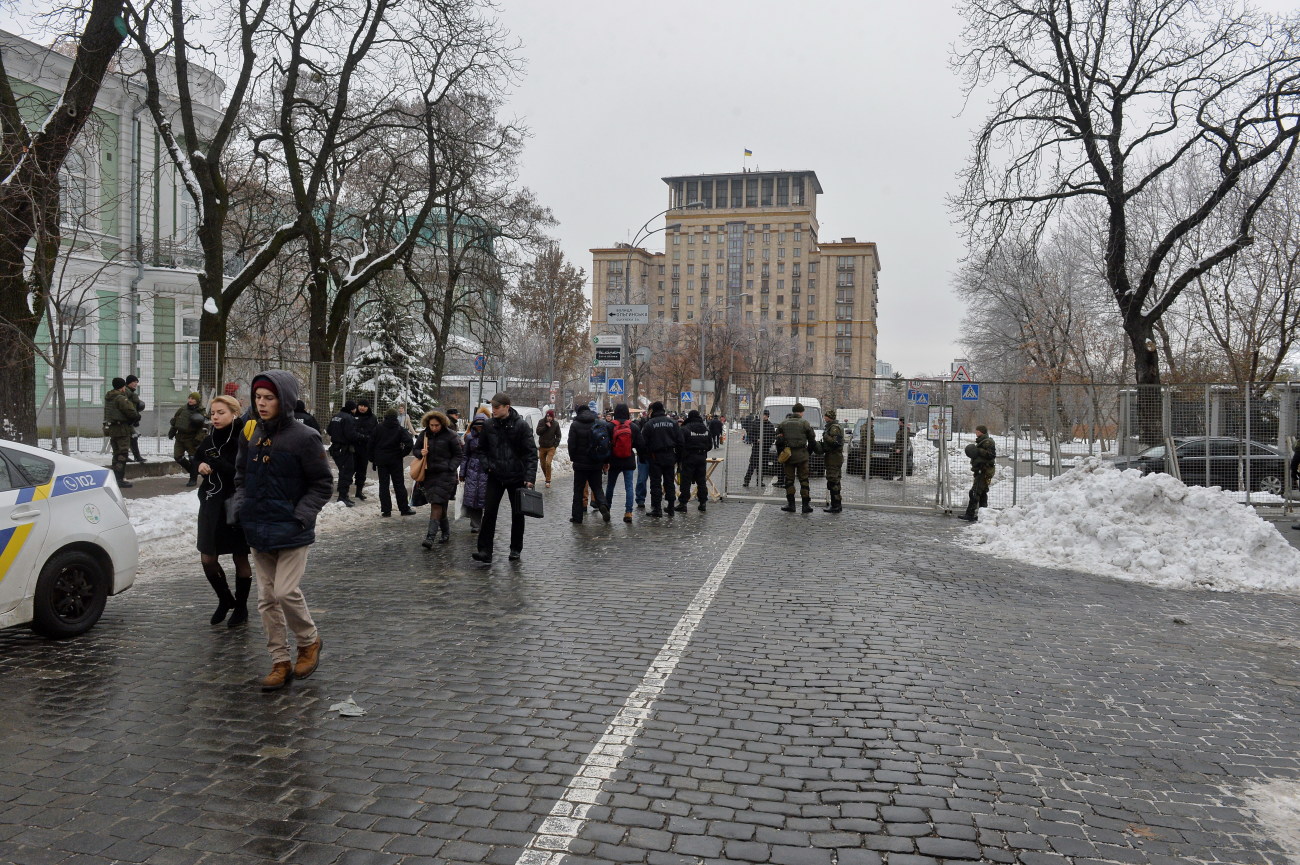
x=860 y=690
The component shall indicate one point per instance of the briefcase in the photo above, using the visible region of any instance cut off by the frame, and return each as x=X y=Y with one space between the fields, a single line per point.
x=530 y=502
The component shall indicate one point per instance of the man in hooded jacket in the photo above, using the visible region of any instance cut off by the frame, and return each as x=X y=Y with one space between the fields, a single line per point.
x=342 y=431
x=696 y=444
x=282 y=480
x=389 y=445
x=366 y=423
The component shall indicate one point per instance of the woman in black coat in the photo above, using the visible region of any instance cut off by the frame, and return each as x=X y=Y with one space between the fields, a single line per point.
x=441 y=449
x=216 y=537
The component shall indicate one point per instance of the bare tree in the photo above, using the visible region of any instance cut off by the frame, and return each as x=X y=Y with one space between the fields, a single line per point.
x=30 y=160
x=1103 y=100
x=551 y=300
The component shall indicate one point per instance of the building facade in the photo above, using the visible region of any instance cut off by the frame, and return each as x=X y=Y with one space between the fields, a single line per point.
x=744 y=250
x=126 y=294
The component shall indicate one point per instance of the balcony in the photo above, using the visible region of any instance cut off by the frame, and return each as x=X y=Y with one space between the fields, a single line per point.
x=170 y=253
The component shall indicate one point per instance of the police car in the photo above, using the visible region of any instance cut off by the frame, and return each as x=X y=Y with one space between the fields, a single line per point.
x=66 y=541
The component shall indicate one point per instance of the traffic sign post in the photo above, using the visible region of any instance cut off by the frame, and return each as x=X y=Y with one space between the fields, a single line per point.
x=614 y=387
x=480 y=363
x=687 y=396
x=970 y=391
x=918 y=397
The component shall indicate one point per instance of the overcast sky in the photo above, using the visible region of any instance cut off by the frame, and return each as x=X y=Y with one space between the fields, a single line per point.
x=619 y=95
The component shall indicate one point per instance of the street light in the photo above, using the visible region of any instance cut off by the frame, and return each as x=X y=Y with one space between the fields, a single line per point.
x=642 y=233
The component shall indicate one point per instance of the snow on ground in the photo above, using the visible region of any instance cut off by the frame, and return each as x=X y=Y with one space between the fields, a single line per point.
x=1147 y=528
x=1277 y=806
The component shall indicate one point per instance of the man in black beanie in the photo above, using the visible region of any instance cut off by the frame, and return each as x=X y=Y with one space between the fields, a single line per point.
x=663 y=444
x=366 y=424
x=696 y=444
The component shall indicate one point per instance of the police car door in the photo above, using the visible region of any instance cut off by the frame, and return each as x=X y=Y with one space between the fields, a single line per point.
x=24 y=521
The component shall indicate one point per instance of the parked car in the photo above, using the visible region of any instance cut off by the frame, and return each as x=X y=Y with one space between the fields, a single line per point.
x=876 y=436
x=66 y=541
x=1217 y=462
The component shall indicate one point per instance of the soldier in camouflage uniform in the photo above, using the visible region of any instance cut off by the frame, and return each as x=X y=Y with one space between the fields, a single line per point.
x=120 y=417
x=982 y=455
x=833 y=449
x=796 y=434
x=188 y=429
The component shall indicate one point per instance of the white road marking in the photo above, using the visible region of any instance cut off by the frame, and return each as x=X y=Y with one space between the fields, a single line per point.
x=562 y=826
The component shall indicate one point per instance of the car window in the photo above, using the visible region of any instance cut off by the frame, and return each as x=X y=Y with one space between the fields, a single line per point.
x=1153 y=453
x=33 y=470
x=6 y=482
x=1225 y=448
x=1191 y=449
x=1261 y=451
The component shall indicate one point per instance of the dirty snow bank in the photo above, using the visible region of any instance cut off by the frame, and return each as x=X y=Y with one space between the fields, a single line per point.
x=1150 y=529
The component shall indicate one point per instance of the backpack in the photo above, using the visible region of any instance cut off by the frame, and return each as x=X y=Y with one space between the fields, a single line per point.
x=598 y=446
x=622 y=439
x=793 y=432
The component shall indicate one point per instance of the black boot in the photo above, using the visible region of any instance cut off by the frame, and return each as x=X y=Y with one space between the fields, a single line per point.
x=243 y=585
x=789 y=505
x=431 y=535
x=122 y=482
x=225 y=600
x=446 y=530
x=361 y=497
x=135 y=450
x=807 y=506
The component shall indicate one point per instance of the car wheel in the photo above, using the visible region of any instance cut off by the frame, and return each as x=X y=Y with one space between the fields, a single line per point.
x=1270 y=483
x=70 y=595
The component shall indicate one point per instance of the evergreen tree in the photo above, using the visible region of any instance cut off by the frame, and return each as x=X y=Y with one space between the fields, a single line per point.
x=391 y=360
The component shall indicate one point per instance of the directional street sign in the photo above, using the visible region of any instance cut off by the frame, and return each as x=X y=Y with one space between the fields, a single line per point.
x=687 y=396
x=970 y=391
x=627 y=313
x=918 y=397
x=614 y=387
x=480 y=363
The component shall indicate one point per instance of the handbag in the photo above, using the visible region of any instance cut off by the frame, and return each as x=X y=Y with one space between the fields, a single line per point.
x=530 y=502
x=418 y=497
x=417 y=469
x=232 y=512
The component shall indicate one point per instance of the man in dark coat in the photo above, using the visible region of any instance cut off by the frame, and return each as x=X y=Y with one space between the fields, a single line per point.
x=662 y=438
x=133 y=393
x=696 y=444
x=282 y=480
x=715 y=432
x=983 y=455
x=761 y=434
x=796 y=435
x=342 y=431
x=301 y=415
x=389 y=445
x=365 y=427
x=642 y=459
x=510 y=458
x=833 y=448
x=587 y=466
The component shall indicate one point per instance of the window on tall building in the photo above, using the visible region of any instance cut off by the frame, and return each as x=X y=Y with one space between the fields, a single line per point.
x=749 y=268
x=812 y=300
x=749 y=255
x=677 y=255
x=797 y=252
x=767 y=253
x=749 y=315
x=661 y=270
x=661 y=300
x=675 y=316
x=794 y=284
x=780 y=252
x=677 y=238
x=767 y=191
x=690 y=238
x=690 y=315
x=794 y=270
x=737 y=193
x=780 y=285
x=762 y=315
x=690 y=270
x=812 y=267
x=677 y=270
x=780 y=298
x=798 y=235
x=690 y=285
x=690 y=299
x=749 y=298
x=720 y=270
x=780 y=329
x=751 y=192
x=767 y=269
x=705 y=237
x=661 y=313
x=783 y=192
x=811 y=347
x=767 y=237
x=780 y=267
x=812 y=284
x=749 y=285
x=690 y=255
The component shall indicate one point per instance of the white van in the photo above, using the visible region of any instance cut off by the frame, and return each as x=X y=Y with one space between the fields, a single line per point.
x=780 y=406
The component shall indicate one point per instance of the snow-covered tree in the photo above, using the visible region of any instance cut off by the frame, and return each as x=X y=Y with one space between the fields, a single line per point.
x=389 y=368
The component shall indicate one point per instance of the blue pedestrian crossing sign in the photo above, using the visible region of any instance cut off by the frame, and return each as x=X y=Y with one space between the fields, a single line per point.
x=970 y=391
x=614 y=387
x=918 y=397
x=687 y=396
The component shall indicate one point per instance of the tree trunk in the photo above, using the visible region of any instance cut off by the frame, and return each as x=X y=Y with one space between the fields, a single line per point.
x=1146 y=366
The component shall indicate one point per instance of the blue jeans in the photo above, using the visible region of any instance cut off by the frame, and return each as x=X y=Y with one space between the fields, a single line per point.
x=642 y=475
x=627 y=488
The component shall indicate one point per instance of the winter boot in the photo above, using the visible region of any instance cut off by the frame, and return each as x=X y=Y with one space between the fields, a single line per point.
x=281 y=674
x=789 y=505
x=446 y=531
x=346 y=501
x=122 y=482
x=834 y=507
x=807 y=506
x=361 y=496
x=243 y=585
x=225 y=600
x=135 y=450
x=308 y=659
x=431 y=535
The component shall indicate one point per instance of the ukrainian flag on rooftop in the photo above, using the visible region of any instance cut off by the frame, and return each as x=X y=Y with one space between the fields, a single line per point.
x=748 y=152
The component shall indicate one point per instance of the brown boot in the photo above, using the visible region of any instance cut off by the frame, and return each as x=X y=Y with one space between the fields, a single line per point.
x=280 y=675
x=308 y=658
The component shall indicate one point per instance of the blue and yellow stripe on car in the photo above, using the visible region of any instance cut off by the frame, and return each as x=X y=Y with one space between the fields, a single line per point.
x=13 y=538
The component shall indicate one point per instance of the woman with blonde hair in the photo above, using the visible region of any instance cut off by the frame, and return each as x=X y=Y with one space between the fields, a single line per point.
x=441 y=449
x=215 y=462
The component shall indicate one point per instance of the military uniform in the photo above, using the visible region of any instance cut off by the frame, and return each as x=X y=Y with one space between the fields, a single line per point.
x=982 y=463
x=134 y=395
x=796 y=434
x=188 y=425
x=119 y=419
x=833 y=449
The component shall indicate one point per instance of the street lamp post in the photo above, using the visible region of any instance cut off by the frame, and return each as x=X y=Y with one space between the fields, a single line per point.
x=642 y=233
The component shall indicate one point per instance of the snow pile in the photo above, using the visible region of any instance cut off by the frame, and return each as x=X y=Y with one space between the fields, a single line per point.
x=1148 y=528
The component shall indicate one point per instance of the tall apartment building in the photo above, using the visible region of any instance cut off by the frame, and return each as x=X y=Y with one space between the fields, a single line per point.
x=745 y=248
